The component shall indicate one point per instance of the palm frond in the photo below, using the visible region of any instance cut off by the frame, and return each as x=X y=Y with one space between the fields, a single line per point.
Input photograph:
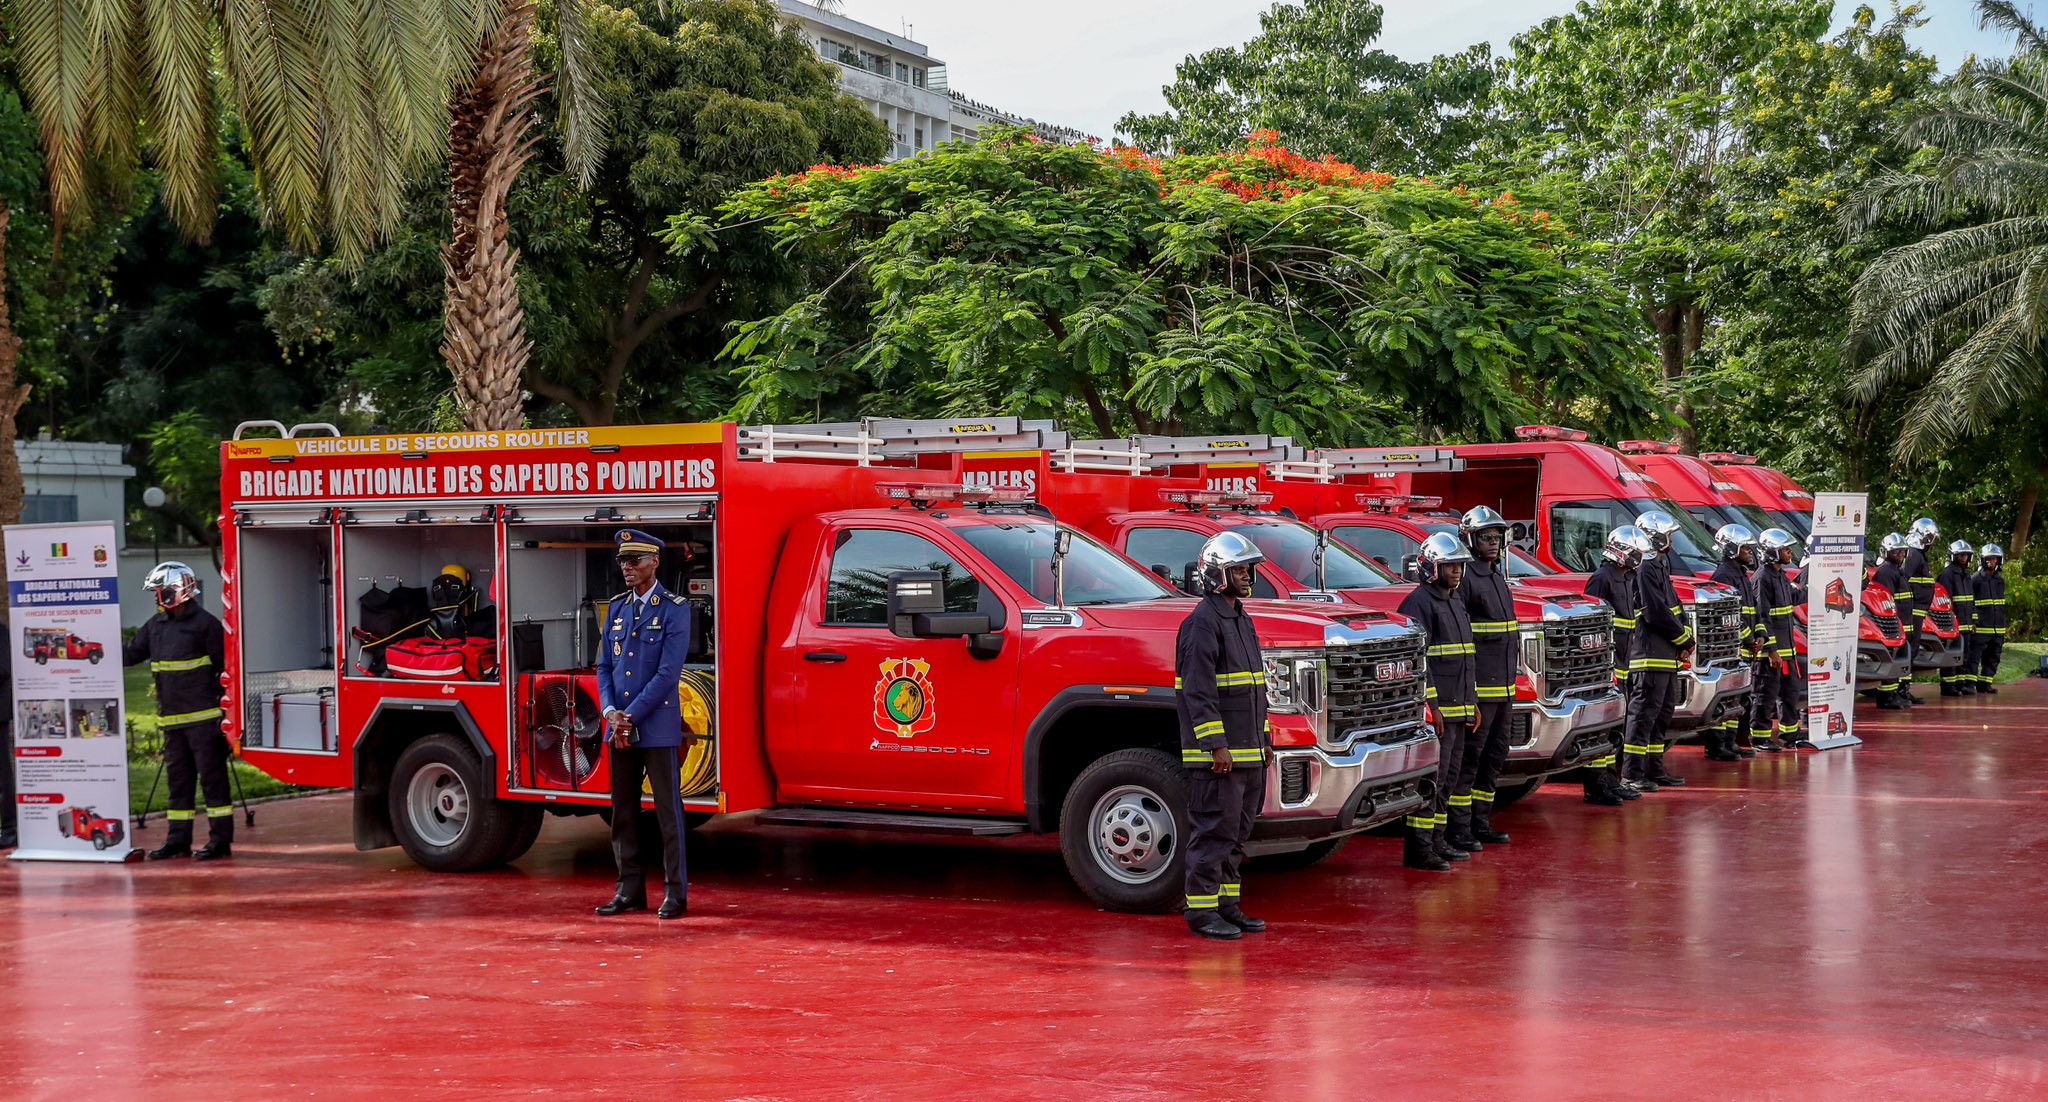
x=276 y=82
x=177 y=64
x=586 y=113
x=2004 y=15
x=55 y=52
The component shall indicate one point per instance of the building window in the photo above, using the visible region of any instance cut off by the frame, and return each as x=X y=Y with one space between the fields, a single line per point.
x=49 y=508
x=874 y=63
x=917 y=78
x=919 y=140
x=902 y=73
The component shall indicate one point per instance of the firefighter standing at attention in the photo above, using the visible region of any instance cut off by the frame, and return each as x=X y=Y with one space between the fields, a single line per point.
x=1987 y=643
x=1615 y=583
x=1663 y=643
x=1497 y=656
x=1736 y=547
x=186 y=651
x=1955 y=578
x=1775 y=718
x=1891 y=577
x=1220 y=692
x=1439 y=610
x=1923 y=536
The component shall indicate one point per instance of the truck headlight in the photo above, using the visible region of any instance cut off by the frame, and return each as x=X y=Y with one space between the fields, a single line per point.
x=1532 y=651
x=1294 y=683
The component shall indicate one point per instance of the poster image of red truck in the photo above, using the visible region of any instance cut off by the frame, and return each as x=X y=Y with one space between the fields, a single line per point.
x=88 y=825
x=1837 y=598
x=42 y=719
x=45 y=645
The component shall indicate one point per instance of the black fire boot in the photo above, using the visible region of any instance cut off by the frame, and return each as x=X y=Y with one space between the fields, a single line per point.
x=213 y=851
x=1628 y=790
x=1209 y=923
x=1889 y=702
x=1459 y=834
x=169 y=850
x=1603 y=796
x=1234 y=914
x=1483 y=832
x=1418 y=851
x=1967 y=688
x=1441 y=838
x=1987 y=687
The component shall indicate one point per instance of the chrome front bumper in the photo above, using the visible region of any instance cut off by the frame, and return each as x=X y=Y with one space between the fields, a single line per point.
x=1555 y=741
x=1702 y=689
x=1348 y=792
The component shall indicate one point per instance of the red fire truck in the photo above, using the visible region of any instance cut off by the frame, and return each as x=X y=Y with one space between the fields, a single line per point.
x=88 y=825
x=47 y=644
x=1186 y=489
x=1029 y=690
x=1786 y=502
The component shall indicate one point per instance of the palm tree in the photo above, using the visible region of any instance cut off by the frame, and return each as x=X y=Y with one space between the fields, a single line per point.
x=336 y=100
x=484 y=338
x=1962 y=313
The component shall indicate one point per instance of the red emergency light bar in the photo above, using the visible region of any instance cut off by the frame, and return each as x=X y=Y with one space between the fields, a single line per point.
x=1729 y=457
x=1197 y=498
x=1399 y=503
x=932 y=493
x=1649 y=447
x=1548 y=432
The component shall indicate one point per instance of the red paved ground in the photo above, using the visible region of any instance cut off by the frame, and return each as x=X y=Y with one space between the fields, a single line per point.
x=1857 y=924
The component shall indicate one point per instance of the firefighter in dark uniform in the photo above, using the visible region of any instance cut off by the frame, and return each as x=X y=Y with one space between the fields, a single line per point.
x=639 y=667
x=1615 y=583
x=1220 y=692
x=186 y=651
x=1960 y=680
x=1780 y=693
x=1439 y=610
x=1923 y=536
x=1497 y=656
x=1892 y=578
x=1736 y=547
x=1663 y=643
x=1987 y=643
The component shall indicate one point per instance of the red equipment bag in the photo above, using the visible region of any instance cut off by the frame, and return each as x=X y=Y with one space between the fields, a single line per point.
x=471 y=659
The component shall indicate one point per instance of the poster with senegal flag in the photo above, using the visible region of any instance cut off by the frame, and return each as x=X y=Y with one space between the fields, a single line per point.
x=70 y=734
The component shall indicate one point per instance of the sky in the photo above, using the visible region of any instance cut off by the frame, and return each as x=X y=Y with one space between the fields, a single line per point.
x=1083 y=63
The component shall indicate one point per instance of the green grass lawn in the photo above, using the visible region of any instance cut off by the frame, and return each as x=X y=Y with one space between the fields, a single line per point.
x=143 y=750
x=2017 y=661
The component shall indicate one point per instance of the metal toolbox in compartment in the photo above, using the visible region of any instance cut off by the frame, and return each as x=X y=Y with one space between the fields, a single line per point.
x=298 y=721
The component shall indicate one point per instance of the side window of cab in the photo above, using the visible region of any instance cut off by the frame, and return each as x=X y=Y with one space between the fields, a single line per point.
x=857 y=589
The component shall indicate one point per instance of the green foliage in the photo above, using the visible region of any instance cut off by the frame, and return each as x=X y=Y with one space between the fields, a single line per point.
x=1314 y=77
x=2026 y=606
x=1255 y=290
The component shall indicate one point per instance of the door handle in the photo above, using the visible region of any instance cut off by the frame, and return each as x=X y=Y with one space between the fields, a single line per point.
x=823 y=656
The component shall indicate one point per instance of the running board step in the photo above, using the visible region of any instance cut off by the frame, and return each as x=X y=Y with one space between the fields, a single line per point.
x=901 y=822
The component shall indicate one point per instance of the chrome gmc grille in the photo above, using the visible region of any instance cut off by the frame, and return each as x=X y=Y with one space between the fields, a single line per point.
x=1717 y=627
x=1577 y=654
x=1376 y=686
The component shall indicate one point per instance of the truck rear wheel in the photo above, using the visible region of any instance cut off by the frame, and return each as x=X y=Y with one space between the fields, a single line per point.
x=442 y=809
x=1122 y=829
x=1313 y=854
x=527 y=820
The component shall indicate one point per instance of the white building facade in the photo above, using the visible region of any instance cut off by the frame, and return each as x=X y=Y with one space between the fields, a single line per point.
x=904 y=85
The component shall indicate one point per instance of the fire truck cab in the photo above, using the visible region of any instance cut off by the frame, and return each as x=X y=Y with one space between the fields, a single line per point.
x=44 y=645
x=88 y=825
x=881 y=639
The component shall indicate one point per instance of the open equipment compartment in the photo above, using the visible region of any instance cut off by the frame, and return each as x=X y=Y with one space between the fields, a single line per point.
x=386 y=552
x=560 y=582
x=285 y=591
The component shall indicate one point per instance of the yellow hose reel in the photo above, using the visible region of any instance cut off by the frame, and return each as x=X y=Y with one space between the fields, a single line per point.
x=698 y=696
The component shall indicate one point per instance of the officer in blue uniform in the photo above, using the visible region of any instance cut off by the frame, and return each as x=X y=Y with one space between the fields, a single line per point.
x=639 y=665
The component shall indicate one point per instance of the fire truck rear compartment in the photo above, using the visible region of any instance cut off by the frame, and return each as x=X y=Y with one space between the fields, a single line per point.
x=287 y=601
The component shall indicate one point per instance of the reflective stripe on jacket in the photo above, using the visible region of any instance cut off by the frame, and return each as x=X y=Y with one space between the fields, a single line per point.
x=1220 y=685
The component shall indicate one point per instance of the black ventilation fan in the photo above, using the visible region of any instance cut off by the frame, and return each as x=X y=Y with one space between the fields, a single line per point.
x=567 y=731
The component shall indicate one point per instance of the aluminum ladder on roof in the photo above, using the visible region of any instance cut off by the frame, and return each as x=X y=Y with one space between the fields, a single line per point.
x=1333 y=464
x=872 y=439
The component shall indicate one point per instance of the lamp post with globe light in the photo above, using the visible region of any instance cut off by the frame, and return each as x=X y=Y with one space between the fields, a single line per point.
x=153 y=499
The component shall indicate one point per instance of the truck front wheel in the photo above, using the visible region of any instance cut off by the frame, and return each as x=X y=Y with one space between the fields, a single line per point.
x=1122 y=829
x=95 y=656
x=443 y=811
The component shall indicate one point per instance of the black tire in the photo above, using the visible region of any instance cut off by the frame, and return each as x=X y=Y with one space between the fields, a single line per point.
x=1150 y=795
x=1314 y=854
x=99 y=839
x=1505 y=796
x=476 y=838
x=94 y=657
x=527 y=819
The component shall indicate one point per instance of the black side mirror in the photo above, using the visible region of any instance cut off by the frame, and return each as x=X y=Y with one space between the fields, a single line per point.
x=917 y=608
x=1191 y=579
x=1165 y=575
x=1410 y=568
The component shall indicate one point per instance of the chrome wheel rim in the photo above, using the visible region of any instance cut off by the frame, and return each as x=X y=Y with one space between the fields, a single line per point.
x=1134 y=837
x=437 y=803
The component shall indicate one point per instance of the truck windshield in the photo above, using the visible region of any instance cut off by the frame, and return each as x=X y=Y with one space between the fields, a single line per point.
x=1578 y=532
x=1291 y=546
x=1799 y=524
x=1095 y=574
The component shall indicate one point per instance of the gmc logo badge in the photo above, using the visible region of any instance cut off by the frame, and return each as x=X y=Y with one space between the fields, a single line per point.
x=1729 y=621
x=1388 y=671
x=1590 y=641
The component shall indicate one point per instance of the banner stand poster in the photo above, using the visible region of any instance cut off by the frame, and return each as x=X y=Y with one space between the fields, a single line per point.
x=1834 y=588
x=70 y=731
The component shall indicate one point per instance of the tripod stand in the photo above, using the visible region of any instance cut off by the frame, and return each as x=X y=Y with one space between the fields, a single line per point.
x=234 y=788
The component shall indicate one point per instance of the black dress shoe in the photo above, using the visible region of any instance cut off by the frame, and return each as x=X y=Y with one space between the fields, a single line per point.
x=1992 y=689
x=1723 y=755
x=1669 y=781
x=169 y=850
x=621 y=905
x=1604 y=798
x=1420 y=854
x=1745 y=751
x=674 y=906
x=1466 y=845
x=1491 y=837
x=1208 y=923
x=1235 y=915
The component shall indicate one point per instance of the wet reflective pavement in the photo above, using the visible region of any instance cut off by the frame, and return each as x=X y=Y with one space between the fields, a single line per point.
x=1861 y=923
